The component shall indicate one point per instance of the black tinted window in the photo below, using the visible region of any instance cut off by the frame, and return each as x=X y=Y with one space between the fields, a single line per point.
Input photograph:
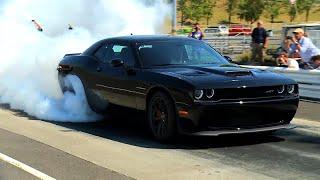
x=178 y=53
x=122 y=52
x=102 y=52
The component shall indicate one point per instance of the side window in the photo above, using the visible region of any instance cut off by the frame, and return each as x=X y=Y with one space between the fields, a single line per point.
x=122 y=52
x=102 y=52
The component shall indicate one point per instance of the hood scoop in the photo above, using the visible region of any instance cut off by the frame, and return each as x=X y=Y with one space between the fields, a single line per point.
x=192 y=73
x=238 y=73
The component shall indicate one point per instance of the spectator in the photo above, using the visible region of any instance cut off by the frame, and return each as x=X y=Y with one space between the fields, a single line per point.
x=316 y=61
x=287 y=44
x=287 y=62
x=303 y=46
x=259 y=42
x=197 y=32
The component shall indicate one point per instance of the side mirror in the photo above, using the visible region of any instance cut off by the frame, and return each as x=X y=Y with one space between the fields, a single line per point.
x=116 y=63
x=228 y=58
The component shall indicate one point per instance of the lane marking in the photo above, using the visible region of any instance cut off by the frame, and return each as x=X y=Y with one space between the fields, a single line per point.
x=25 y=167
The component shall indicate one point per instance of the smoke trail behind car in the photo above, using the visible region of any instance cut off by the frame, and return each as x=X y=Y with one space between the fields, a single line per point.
x=29 y=58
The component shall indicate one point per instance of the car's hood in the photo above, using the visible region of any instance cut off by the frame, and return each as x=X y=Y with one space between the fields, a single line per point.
x=206 y=76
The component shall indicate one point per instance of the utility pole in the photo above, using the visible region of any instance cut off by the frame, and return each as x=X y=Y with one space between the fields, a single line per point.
x=174 y=17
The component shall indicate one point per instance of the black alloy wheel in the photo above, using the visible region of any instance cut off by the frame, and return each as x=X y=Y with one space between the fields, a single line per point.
x=162 y=116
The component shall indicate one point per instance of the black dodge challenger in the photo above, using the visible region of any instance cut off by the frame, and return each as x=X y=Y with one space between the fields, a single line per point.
x=183 y=85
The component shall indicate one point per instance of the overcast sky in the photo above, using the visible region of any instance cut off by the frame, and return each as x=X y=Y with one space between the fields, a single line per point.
x=2 y=4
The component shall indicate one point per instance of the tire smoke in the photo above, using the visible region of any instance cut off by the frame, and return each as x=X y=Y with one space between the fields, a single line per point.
x=29 y=58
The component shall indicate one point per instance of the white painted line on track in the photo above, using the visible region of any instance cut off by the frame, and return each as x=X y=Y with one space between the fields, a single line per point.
x=25 y=167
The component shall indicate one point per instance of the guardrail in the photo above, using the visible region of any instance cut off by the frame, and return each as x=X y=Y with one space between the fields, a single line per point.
x=309 y=80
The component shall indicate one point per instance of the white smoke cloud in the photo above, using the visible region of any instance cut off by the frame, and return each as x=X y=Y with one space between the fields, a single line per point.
x=28 y=61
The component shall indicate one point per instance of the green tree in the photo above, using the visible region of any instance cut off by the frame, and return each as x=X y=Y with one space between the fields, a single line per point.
x=306 y=6
x=207 y=7
x=230 y=8
x=292 y=12
x=183 y=9
x=196 y=10
x=250 y=10
x=272 y=8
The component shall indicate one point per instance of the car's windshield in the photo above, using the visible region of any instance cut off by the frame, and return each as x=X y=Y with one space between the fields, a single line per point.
x=165 y=53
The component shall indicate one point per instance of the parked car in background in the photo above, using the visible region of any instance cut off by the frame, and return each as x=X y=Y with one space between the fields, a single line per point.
x=239 y=30
x=220 y=30
x=224 y=29
x=213 y=31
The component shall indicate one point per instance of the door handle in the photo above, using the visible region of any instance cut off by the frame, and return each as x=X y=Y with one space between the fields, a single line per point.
x=99 y=69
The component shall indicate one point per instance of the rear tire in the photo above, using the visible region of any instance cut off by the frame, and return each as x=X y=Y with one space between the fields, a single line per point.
x=161 y=115
x=65 y=85
x=95 y=102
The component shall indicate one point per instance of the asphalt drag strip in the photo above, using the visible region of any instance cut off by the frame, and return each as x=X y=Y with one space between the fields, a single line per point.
x=46 y=159
x=8 y=171
x=122 y=148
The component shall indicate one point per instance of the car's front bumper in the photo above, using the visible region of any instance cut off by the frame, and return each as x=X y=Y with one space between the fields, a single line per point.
x=242 y=116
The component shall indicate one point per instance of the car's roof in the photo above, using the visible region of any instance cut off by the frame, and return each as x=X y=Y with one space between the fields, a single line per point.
x=136 y=39
x=147 y=38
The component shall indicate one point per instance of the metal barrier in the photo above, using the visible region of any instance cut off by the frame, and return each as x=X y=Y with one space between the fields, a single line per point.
x=236 y=44
x=230 y=44
x=309 y=80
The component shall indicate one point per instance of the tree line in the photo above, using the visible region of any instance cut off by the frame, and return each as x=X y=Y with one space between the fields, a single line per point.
x=247 y=10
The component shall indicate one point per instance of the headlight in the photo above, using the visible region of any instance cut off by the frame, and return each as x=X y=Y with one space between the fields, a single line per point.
x=280 y=89
x=210 y=93
x=290 y=89
x=198 y=94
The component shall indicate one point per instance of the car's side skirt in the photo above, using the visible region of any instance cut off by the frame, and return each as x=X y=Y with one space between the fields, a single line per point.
x=243 y=131
x=120 y=89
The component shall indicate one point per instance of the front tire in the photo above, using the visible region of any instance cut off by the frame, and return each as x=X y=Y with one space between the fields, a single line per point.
x=161 y=116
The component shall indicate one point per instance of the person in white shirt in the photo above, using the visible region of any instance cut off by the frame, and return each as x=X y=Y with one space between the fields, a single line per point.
x=303 y=46
x=288 y=62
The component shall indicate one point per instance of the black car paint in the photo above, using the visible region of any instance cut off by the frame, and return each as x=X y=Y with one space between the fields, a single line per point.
x=132 y=86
